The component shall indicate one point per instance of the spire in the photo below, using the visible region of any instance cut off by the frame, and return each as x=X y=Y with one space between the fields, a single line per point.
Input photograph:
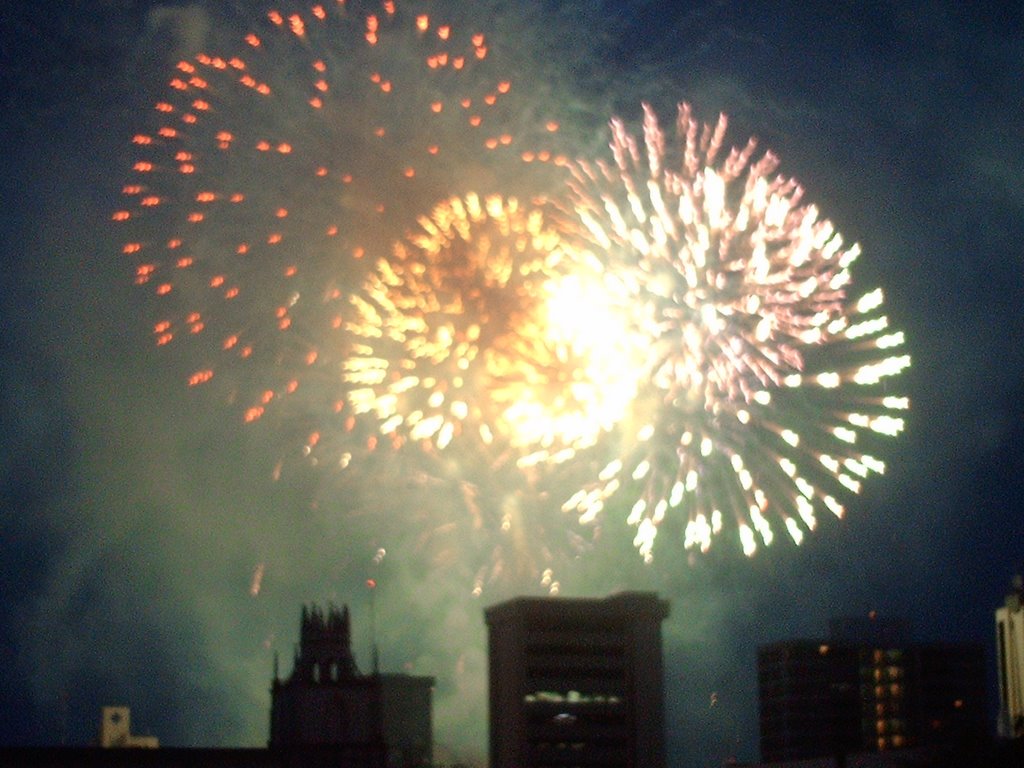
x=324 y=654
x=346 y=626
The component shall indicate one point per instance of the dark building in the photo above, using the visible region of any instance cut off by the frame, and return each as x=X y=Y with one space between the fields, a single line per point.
x=326 y=702
x=577 y=682
x=869 y=693
x=326 y=715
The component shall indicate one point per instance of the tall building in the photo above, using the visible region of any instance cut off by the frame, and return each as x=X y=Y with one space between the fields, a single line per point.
x=867 y=692
x=577 y=682
x=1010 y=652
x=380 y=719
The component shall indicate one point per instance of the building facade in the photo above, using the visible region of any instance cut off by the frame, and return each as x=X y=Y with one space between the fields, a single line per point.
x=1010 y=662
x=326 y=702
x=843 y=696
x=577 y=682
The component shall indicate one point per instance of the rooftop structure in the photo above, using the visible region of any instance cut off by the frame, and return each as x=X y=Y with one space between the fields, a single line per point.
x=577 y=682
x=327 y=702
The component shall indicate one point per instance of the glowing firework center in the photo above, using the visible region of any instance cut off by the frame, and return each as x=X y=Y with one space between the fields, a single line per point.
x=489 y=320
x=761 y=372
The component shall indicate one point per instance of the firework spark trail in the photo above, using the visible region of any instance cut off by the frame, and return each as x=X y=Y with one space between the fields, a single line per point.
x=492 y=315
x=765 y=376
x=271 y=170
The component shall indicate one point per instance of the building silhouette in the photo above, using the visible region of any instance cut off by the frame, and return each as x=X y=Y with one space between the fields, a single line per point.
x=384 y=719
x=576 y=682
x=868 y=691
x=326 y=714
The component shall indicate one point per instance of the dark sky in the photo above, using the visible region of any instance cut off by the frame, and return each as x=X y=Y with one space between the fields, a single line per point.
x=134 y=512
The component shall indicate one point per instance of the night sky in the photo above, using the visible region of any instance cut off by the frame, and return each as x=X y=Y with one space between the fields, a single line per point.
x=136 y=513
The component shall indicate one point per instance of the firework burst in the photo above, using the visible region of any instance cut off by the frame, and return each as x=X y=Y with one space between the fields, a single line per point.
x=767 y=372
x=275 y=211
x=493 y=339
x=491 y=321
x=270 y=171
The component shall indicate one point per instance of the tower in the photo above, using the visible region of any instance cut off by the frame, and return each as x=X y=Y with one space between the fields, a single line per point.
x=374 y=720
x=577 y=682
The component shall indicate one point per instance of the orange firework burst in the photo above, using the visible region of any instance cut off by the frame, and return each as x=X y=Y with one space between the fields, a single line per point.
x=493 y=315
x=272 y=169
x=765 y=377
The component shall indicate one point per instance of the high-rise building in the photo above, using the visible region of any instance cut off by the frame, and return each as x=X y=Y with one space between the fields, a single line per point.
x=577 y=682
x=1010 y=652
x=379 y=719
x=868 y=692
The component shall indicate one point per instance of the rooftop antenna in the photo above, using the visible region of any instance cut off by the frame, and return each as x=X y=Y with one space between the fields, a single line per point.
x=378 y=558
x=372 y=584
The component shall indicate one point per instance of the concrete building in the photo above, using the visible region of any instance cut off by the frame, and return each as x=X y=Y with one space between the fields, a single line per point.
x=1010 y=662
x=847 y=695
x=577 y=682
x=326 y=702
